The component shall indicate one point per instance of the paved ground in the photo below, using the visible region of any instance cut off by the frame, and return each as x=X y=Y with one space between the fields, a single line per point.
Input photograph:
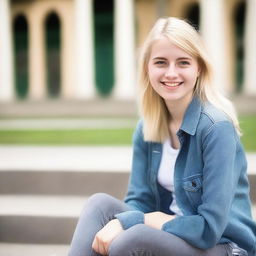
x=69 y=108
x=98 y=107
x=66 y=123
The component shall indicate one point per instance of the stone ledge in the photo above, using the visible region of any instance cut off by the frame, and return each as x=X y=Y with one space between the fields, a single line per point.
x=14 y=249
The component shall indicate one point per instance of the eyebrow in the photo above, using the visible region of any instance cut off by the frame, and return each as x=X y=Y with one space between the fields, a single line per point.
x=184 y=58
x=180 y=58
x=159 y=58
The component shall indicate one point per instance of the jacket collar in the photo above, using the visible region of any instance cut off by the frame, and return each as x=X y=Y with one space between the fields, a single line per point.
x=191 y=117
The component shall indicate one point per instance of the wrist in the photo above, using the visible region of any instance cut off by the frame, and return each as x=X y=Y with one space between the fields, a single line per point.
x=130 y=218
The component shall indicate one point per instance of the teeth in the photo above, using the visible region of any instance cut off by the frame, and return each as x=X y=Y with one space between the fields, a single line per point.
x=171 y=84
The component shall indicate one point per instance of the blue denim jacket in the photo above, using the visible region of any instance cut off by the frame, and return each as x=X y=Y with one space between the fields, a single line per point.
x=210 y=181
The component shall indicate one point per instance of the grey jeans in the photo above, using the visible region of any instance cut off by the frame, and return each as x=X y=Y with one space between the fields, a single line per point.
x=139 y=240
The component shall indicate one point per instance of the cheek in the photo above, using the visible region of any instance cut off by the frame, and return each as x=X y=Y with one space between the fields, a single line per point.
x=154 y=74
x=192 y=75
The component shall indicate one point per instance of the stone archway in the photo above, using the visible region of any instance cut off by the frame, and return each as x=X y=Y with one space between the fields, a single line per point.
x=239 y=22
x=104 y=45
x=53 y=54
x=20 y=36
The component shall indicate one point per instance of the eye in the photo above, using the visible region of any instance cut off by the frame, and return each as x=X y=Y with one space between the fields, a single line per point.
x=160 y=62
x=184 y=63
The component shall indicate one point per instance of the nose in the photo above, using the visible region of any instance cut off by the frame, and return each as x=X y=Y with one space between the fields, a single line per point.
x=171 y=72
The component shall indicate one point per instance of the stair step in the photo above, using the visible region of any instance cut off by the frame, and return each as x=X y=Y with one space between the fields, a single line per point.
x=77 y=183
x=69 y=108
x=65 y=158
x=14 y=249
x=39 y=219
x=49 y=206
x=63 y=183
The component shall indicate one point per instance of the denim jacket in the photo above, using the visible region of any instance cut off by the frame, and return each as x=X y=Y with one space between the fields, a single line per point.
x=210 y=181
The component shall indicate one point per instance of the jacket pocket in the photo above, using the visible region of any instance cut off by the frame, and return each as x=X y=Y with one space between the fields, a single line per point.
x=193 y=189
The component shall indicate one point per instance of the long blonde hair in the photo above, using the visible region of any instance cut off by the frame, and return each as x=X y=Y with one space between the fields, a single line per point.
x=152 y=106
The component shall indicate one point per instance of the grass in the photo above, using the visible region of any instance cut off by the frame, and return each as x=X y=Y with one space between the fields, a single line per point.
x=103 y=136
x=248 y=126
x=68 y=137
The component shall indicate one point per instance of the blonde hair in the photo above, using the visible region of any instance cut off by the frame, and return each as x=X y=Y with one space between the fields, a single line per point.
x=152 y=106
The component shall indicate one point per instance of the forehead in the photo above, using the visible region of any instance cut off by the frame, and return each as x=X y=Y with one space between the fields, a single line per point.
x=164 y=48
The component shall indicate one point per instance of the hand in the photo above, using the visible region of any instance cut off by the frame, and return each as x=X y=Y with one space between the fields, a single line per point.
x=157 y=219
x=105 y=236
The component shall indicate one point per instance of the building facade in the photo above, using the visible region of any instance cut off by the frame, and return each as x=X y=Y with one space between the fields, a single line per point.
x=87 y=49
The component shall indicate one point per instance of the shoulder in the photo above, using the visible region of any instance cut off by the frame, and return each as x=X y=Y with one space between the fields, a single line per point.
x=213 y=114
x=213 y=119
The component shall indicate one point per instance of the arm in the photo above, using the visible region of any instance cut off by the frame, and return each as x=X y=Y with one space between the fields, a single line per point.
x=219 y=181
x=107 y=234
x=139 y=196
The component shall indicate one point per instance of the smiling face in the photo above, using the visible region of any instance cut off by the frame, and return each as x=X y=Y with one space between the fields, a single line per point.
x=172 y=72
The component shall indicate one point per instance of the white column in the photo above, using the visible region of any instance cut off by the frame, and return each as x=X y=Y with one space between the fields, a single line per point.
x=125 y=81
x=213 y=27
x=6 y=53
x=250 y=48
x=84 y=61
x=37 y=58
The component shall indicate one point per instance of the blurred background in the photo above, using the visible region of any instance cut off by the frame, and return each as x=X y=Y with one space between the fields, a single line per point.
x=68 y=102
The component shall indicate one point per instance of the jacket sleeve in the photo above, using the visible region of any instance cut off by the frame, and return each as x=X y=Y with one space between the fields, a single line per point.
x=204 y=230
x=139 y=196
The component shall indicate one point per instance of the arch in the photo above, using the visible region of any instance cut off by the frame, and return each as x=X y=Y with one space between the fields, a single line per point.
x=20 y=36
x=193 y=15
x=239 y=21
x=53 y=54
x=104 y=45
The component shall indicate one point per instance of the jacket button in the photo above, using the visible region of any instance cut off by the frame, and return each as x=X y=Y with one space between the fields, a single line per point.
x=193 y=184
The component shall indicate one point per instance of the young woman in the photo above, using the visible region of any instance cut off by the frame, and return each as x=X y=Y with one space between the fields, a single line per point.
x=188 y=192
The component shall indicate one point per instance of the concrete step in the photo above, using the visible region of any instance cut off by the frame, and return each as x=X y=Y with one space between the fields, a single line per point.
x=66 y=123
x=39 y=219
x=65 y=158
x=43 y=189
x=73 y=170
x=69 y=108
x=80 y=183
x=63 y=182
x=14 y=249
x=101 y=107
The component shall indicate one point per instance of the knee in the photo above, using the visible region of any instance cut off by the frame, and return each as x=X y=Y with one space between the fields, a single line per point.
x=100 y=202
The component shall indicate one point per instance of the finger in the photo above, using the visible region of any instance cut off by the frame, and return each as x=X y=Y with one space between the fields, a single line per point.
x=101 y=248
x=98 y=245
x=95 y=245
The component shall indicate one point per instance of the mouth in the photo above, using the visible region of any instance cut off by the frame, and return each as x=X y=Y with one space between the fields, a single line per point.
x=171 y=85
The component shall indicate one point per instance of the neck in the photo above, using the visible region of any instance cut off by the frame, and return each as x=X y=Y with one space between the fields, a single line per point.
x=177 y=110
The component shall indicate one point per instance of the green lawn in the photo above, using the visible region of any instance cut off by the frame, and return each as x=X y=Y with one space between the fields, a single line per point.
x=248 y=126
x=103 y=136
x=68 y=137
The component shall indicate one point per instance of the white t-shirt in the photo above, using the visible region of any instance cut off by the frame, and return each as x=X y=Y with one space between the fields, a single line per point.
x=165 y=175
